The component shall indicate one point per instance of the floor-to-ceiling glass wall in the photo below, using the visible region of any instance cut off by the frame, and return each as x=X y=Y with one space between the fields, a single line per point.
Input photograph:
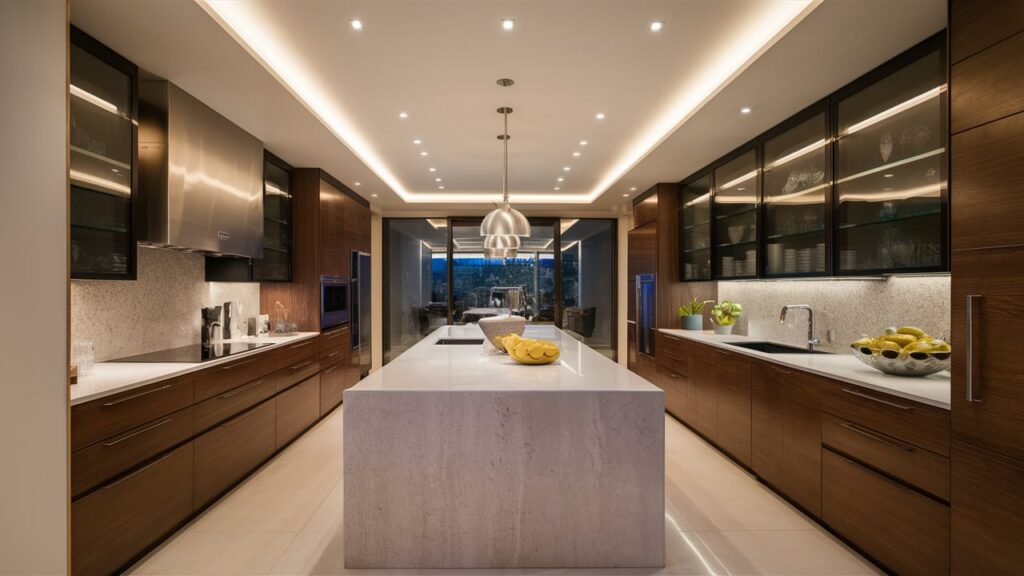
x=588 y=281
x=415 y=281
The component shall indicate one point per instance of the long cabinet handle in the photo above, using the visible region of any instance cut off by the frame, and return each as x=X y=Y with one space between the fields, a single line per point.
x=971 y=299
x=136 y=433
x=300 y=345
x=878 y=437
x=237 y=364
x=139 y=395
x=239 y=390
x=333 y=354
x=781 y=371
x=238 y=419
x=140 y=470
x=300 y=365
x=879 y=400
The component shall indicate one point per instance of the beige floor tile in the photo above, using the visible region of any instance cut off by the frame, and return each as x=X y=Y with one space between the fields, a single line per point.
x=263 y=506
x=792 y=552
x=193 y=553
x=329 y=517
x=728 y=504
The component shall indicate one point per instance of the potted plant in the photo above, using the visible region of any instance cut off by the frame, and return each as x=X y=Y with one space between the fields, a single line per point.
x=691 y=315
x=724 y=315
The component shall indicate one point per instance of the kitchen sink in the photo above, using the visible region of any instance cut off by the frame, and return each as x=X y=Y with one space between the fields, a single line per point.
x=458 y=341
x=773 y=348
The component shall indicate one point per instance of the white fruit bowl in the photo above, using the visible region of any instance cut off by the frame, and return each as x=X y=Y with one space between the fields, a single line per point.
x=913 y=364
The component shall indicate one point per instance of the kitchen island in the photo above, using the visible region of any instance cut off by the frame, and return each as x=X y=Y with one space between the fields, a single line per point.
x=456 y=456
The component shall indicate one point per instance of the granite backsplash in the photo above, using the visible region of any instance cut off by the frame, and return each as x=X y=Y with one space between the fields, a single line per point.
x=158 y=310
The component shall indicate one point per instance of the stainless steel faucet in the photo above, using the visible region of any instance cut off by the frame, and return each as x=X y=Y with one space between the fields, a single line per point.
x=811 y=340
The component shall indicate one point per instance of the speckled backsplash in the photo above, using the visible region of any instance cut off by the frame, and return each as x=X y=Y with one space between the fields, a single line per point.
x=850 y=308
x=159 y=310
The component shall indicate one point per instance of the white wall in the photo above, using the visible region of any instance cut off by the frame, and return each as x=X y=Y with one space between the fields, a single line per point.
x=34 y=287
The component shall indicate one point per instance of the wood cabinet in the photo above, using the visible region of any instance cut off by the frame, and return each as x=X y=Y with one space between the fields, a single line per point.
x=647 y=368
x=217 y=380
x=987 y=86
x=297 y=409
x=333 y=383
x=901 y=528
x=223 y=406
x=732 y=383
x=704 y=394
x=786 y=432
x=120 y=521
x=230 y=451
x=334 y=259
x=978 y=24
x=645 y=209
x=335 y=346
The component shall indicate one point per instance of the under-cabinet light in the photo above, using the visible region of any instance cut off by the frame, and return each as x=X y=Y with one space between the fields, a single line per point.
x=901 y=107
x=794 y=155
x=93 y=99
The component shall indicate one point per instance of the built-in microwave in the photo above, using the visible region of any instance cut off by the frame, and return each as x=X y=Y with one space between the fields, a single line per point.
x=334 y=302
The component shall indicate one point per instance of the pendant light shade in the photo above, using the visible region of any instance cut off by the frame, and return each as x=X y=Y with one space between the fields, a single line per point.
x=500 y=252
x=505 y=220
x=502 y=241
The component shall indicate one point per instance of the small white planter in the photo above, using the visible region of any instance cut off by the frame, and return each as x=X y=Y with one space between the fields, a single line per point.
x=723 y=330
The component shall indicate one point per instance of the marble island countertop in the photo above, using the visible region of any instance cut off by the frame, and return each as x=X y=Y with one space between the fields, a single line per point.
x=109 y=378
x=429 y=366
x=933 y=390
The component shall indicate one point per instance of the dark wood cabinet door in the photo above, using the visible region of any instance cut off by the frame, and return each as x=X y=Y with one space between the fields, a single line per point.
x=647 y=368
x=991 y=284
x=786 y=432
x=732 y=380
x=978 y=24
x=334 y=256
x=987 y=86
x=675 y=387
x=113 y=525
x=988 y=205
x=642 y=249
x=297 y=408
x=106 y=417
x=227 y=453
x=987 y=512
x=646 y=210
x=704 y=393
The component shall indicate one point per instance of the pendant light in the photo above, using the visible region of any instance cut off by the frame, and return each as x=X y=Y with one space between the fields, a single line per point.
x=500 y=253
x=503 y=241
x=505 y=220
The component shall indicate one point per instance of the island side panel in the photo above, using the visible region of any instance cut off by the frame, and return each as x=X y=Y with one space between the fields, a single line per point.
x=549 y=479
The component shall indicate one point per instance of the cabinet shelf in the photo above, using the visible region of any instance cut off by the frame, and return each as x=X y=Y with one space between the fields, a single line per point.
x=889 y=221
x=101 y=158
x=692 y=226
x=736 y=213
x=97 y=228
x=734 y=244
x=897 y=164
x=796 y=234
x=695 y=250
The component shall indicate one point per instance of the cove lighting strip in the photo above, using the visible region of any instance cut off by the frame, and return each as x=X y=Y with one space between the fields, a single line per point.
x=246 y=25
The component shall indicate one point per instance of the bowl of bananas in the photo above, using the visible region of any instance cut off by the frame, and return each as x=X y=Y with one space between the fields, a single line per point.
x=528 y=350
x=904 y=351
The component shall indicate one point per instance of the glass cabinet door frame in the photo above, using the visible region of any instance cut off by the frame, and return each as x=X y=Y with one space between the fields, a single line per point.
x=823 y=106
x=271 y=158
x=934 y=43
x=756 y=146
x=706 y=172
x=95 y=48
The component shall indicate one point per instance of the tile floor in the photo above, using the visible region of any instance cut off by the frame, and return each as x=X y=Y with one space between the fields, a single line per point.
x=287 y=519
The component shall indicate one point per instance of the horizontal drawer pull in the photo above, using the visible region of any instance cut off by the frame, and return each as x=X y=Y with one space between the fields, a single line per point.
x=300 y=365
x=329 y=370
x=239 y=390
x=300 y=345
x=136 y=433
x=333 y=354
x=140 y=470
x=237 y=419
x=878 y=437
x=140 y=395
x=781 y=371
x=243 y=363
x=879 y=400
x=722 y=352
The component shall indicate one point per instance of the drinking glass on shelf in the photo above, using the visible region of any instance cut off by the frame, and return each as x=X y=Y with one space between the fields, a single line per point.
x=83 y=356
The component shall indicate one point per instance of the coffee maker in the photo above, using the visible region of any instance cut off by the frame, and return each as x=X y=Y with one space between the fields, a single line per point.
x=208 y=330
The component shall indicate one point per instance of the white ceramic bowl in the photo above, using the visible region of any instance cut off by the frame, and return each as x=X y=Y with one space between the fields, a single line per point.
x=914 y=364
x=503 y=325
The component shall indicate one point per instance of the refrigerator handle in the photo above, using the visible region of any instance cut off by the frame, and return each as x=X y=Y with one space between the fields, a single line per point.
x=971 y=299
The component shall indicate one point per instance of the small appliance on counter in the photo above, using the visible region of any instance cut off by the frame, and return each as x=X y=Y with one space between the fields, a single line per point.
x=208 y=331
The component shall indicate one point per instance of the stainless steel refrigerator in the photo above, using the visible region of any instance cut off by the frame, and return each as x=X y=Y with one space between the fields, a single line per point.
x=359 y=313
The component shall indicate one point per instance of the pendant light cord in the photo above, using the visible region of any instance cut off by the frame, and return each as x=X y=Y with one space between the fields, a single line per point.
x=504 y=183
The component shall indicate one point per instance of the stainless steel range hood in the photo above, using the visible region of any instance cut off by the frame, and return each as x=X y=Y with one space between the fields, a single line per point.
x=200 y=176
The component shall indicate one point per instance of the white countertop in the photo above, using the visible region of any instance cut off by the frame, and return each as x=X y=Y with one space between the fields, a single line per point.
x=109 y=378
x=933 y=390
x=479 y=367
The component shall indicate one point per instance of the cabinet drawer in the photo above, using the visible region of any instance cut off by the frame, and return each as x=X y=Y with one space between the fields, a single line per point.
x=223 y=406
x=118 y=522
x=296 y=372
x=227 y=453
x=675 y=388
x=104 y=460
x=732 y=379
x=106 y=417
x=290 y=354
x=913 y=465
x=673 y=353
x=918 y=424
x=332 y=385
x=297 y=408
x=333 y=345
x=901 y=528
x=219 y=379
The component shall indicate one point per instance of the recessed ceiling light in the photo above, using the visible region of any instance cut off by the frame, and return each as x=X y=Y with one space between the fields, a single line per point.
x=576 y=154
x=417 y=141
x=437 y=179
x=440 y=187
x=432 y=169
x=357 y=24
x=887 y=175
x=741 y=188
x=599 y=116
x=560 y=179
x=632 y=188
x=373 y=195
x=557 y=188
x=403 y=115
x=656 y=25
x=583 y=142
x=508 y=23
x=566 y=168
x=359 y=183
x=745 y=110
x=423 y=153
x=625 y=195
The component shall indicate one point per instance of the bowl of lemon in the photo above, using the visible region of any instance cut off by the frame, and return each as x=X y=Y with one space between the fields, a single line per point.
x=527 y=350
x=904 y=351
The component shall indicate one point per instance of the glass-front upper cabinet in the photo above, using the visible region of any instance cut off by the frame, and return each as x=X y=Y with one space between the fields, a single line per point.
x=695 y=228
x=103 y=137
x=890 y=171
x=276 y=264
x=737 y=183
x=797 y=186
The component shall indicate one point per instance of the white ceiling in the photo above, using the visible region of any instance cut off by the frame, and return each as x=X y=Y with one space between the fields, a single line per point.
x=319 y=93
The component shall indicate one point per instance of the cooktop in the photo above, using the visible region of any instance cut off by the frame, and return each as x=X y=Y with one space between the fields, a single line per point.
x=194 y=354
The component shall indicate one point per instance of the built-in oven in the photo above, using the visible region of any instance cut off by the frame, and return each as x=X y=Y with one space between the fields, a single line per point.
x=334 y=301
